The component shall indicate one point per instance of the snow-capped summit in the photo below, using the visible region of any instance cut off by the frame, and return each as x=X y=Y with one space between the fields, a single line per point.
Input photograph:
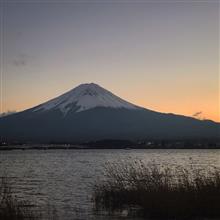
x=84 y=97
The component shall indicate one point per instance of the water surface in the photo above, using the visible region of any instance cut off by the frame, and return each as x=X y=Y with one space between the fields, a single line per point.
x=65 y=178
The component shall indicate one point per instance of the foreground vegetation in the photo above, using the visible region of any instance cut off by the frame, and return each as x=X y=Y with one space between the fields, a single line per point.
x=12 y=208
x=152 y=191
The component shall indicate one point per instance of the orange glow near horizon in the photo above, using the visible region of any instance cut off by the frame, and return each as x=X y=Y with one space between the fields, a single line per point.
x=187 y=106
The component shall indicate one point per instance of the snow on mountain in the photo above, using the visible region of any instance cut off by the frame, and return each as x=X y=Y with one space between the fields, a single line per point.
x=84 y=97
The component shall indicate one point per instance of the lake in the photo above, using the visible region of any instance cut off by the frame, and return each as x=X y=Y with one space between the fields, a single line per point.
x=64 y=179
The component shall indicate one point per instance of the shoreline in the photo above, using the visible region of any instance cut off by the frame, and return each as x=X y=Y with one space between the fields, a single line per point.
x=73 y=147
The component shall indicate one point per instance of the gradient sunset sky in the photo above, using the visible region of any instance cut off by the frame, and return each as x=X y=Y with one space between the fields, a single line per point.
x=162 y=55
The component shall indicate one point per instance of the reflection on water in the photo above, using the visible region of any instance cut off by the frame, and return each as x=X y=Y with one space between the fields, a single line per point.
x=64 y=178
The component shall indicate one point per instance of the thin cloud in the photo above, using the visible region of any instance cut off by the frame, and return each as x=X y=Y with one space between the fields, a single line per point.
x=21 y=60
x=197 y=114
x=7 y=113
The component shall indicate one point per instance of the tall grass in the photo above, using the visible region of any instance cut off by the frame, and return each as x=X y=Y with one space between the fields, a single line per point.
x=12 y=208
x=153 y=191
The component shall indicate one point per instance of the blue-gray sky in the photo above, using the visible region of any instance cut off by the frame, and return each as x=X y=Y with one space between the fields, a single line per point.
x=163 y=55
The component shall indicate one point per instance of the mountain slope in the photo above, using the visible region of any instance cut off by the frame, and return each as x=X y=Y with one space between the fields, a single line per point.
x=90 y=112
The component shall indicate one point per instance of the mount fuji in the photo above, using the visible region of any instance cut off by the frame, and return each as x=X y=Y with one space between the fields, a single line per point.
x=90 y=112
